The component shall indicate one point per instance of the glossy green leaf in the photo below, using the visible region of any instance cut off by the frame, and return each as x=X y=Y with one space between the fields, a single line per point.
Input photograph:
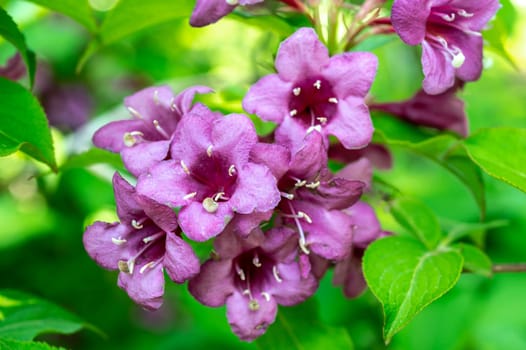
x=299 y=328
x=458 y=230
x=406 y=277
x=475 y=260
x=79 y=10
x=23 y=317
x=11 y=344
x=418 y=219
x=9 y=30
x=500 y=153
x=444 y=150
x=24 y=125
x=132 y=16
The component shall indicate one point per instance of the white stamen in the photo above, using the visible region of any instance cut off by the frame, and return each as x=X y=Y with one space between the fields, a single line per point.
x=156 y=97
x=303 y=215
x=303 y=245
x=464 y=13
x=159 y=128
x=232 y=2
x=241 y=273
x=136 y=224
x=185 y=168
x=134 y=113
x=210 y=205
x=189 y=196
x=448 y=17
x=266 y=296
x=131 y=138
x=276 y=275
x=302 y=242
x=253 y=305
x=296 y=91
x=317 y=84
x=256 y=261
x=333 y=100
x=322 y=120
x=458 y=58
x=209 y=150
x=246 y=292
x=313 y=185
x=300 y=183
x=152 y=238
x=124 y=267
x=146 y=266
x=118 y=241
x=314 y=128
x=220 y=195
x=293 y=113
x=231 y=170
x=289 y=196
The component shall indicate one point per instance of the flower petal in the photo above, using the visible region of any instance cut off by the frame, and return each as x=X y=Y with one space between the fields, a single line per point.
x=200 y=225
x=351 y=74
x=147 y=288
x=234 y=135
x=246 y=323
x=209 y=11
x=214 y=283
x=409 y=19
x=141 y=157
x=273 y=156
x=99 y=245
x=268 y=98
x=184 y=100
x=301 y=55
x=438 y=69
x=352 y=124
x=180 y=261
x=292 y=289
x=111 y=136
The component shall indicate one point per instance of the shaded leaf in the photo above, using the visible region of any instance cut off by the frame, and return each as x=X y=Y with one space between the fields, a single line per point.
x=418 y=219
x=500 y=153
x=24 y=125
x=475 y=260
x=299 y=328
x=11 y=344
x=9 y=30
x=132 y=16
x=79 y=10
x=23 y=317
x=444 y=150
x=406 y=277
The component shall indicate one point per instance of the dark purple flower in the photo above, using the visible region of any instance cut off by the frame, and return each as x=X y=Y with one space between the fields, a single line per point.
x=315 y=91
x=141 y=246
x=210 y=11
x=252 y=276
x=366 y=228
x=449 y=31
x=443 y=111
x=145 y=140
x=14 y=68
x=67 y=105
x=210 y=175
x=377 y=155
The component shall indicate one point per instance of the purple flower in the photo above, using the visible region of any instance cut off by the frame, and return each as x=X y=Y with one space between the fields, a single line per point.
x=145 y=242
x=210 y=11
x=252 y=276
x=449 y=31
x=315 y=91
x=210 y=175
x=14 y=68
x=377 y=155
x=145 y=140
x=366 y=228
x=443 y=111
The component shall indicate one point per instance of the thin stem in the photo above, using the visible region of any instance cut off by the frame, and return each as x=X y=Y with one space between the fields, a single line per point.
x=520 y=267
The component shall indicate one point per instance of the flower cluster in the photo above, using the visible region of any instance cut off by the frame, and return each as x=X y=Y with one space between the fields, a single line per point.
x=278 y=215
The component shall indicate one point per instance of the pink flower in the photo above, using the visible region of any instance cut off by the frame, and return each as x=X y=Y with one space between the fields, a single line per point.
x=210 y=11
x=449 y=31
x=314 y=91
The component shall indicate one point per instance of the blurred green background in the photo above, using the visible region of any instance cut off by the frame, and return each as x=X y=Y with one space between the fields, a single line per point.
x=43 y=215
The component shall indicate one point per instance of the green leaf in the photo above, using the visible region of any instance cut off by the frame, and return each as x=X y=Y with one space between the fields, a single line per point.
x=418 y=219
x=24 y=125
x=458 y=230
x=500 y=153
x=9 y=30
x=475 y=260
x=92 y=157
x=406 y=277
x=299 y=328
x=23 y=317
x=11 y=344
x=79 y=10
x=444 y=150
x=132 y=16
